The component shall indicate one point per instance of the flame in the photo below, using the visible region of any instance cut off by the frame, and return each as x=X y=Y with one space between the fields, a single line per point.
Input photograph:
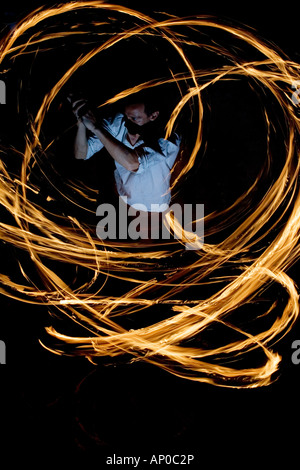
x=167 y=343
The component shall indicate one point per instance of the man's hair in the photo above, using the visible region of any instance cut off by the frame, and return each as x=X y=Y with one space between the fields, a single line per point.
x=149 y=100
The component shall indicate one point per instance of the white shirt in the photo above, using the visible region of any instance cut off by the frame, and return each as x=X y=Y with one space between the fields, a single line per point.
x=149 y=186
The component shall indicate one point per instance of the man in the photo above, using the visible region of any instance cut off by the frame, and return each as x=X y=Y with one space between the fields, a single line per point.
x=143 y=161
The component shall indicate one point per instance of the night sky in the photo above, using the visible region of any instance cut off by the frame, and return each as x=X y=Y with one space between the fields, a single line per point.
x=57 y=407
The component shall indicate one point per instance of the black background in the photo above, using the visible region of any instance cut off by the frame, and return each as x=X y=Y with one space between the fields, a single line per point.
x=65 y=409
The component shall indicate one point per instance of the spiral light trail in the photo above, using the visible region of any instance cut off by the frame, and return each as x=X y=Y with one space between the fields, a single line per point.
x=174 y=341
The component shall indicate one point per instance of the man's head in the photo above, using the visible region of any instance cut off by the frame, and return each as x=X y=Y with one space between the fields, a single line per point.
x=140 y=114
x=141 y=110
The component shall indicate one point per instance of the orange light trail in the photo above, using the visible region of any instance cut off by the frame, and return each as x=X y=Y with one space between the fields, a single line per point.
x=165 y=343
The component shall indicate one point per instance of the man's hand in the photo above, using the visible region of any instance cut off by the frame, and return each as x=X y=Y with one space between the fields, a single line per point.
x=83 y=114
x=89 y=121
x=118 y=151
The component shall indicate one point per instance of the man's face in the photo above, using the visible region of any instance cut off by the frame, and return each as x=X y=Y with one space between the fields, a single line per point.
x=136 y=113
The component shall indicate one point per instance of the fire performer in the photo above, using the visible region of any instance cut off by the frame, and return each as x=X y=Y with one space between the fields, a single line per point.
x=143 y=160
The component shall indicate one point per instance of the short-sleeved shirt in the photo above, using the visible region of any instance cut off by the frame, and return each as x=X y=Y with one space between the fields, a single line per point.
x=149 y=186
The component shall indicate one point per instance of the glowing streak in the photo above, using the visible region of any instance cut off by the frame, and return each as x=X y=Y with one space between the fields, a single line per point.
x=164 y=343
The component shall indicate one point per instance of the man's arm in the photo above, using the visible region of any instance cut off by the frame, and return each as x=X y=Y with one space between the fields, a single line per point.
x=80 y=145
x=118 y=151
